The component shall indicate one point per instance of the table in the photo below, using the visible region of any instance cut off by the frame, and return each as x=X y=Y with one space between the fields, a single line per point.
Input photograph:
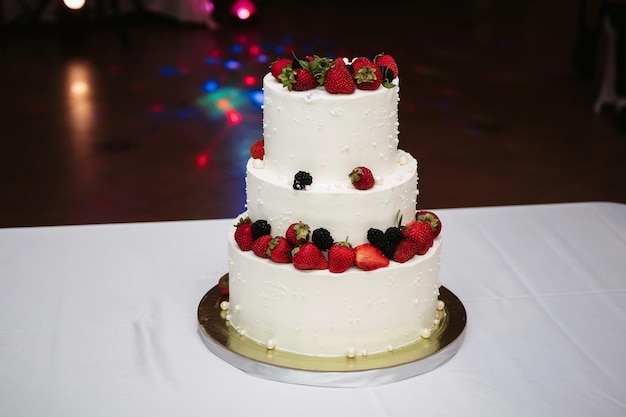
x=100 y=320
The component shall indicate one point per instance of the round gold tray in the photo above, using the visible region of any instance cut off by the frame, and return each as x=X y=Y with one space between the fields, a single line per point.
x=374 y=369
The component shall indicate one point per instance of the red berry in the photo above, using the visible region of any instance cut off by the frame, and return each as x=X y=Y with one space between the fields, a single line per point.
x=298 y=79
x=308 y=256
x=367 y=75
x=339 y=62
x=405 y=250
x=421 y=233
x=362 y=178
x=388 y=68
x=277 y=66
x=222 y=285
x=279 y=250
x=360 y=61
x=257 y=150
x=259 y=246
x=368 y=257
x=243 y=233
x=341 y=256
x=297 y=233
x=432 y=219
x=339 y=80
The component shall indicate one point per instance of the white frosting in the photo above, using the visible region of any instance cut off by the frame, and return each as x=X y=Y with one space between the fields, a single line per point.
x=326 y=314
x=354 y=313
x=327 y=135
x=336 y=206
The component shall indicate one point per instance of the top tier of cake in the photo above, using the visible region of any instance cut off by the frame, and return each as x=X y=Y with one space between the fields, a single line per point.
x=327 y=135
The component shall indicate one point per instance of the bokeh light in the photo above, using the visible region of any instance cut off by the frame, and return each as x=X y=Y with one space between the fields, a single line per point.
x=210 y=86
x=74 y=4
x=243 y=9
x=222 y=102
x=249 y=80
x=256 y=97
x=232 y=64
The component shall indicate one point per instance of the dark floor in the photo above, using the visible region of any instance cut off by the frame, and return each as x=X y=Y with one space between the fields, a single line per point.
x=93 y=131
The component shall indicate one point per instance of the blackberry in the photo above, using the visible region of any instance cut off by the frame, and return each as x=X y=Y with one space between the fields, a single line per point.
x=322 y=238
x=376 y=237
x=386 y=241
x=301 y=180
x=394 y=235
x=388 y=248
x=260 y=228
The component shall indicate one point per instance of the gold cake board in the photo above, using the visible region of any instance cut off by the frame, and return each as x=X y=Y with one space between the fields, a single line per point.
x=417 y=358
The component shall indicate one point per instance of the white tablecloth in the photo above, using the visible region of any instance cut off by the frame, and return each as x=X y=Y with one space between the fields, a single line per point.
x=101 y=321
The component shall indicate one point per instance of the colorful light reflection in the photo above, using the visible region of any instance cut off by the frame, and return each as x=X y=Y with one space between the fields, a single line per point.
x=210 y=86
x=249 y=80
x=256 y=97
x=233 y=117
x=202 y=160
x=243 y=9
x=232 y=64
x=224 y=102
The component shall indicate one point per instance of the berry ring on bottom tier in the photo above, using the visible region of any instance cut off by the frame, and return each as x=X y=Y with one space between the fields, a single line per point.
x=256 y=359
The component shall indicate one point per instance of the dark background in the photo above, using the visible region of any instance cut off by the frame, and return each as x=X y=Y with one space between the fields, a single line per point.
x=107 y=121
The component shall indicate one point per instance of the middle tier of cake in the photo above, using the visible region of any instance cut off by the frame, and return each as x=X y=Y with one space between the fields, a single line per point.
x=336 y=206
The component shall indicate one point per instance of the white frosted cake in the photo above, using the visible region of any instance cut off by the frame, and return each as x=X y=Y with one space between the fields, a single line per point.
x=358 y=273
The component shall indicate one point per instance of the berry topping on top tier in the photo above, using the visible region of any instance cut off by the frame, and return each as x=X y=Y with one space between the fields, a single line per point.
x=388 y=67
x=277 y=66
x=334 y=75
x=298 y=79
x=366 y=74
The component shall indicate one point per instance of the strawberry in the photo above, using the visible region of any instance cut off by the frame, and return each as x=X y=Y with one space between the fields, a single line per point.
x=341 y=256
x=298 y=79
x=368 y=257
x=277 y=66
x=308 y=256
x=405 y=250
x=259 y=245
x=222 y=285
x=297 y=233
x=432 y=219
x=421 y=233
x=243 y=233
x=367 y=75
x=257 y=150
x=339 y=62
x=388 y=68
x=339 y=80
x=360 y=61
x=318 y=66
x=279 y=250
x=362 y=178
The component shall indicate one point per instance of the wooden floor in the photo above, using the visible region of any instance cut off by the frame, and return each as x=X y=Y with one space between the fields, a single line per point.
x=97 y=130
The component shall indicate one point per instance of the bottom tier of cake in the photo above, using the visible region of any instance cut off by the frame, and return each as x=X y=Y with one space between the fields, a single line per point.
x=324 y=314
